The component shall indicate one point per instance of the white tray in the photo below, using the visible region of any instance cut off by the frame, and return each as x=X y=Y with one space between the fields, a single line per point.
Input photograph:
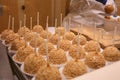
x=13 y=57
x=33 y=78
x=22 y=69
x=11 y=51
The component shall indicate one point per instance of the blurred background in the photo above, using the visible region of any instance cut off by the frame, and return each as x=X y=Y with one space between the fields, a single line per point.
x=51 y=8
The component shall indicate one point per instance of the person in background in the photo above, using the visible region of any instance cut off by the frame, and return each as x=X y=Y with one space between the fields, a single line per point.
x=86 y=11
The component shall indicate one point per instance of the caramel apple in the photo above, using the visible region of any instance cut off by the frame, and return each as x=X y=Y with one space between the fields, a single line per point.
x=109 y=9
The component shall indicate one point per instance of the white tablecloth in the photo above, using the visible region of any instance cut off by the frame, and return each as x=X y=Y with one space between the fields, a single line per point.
x=110 y=72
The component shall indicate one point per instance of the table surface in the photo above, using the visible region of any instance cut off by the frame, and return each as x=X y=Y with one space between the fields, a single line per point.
x=110 y=72
x=5 y=69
